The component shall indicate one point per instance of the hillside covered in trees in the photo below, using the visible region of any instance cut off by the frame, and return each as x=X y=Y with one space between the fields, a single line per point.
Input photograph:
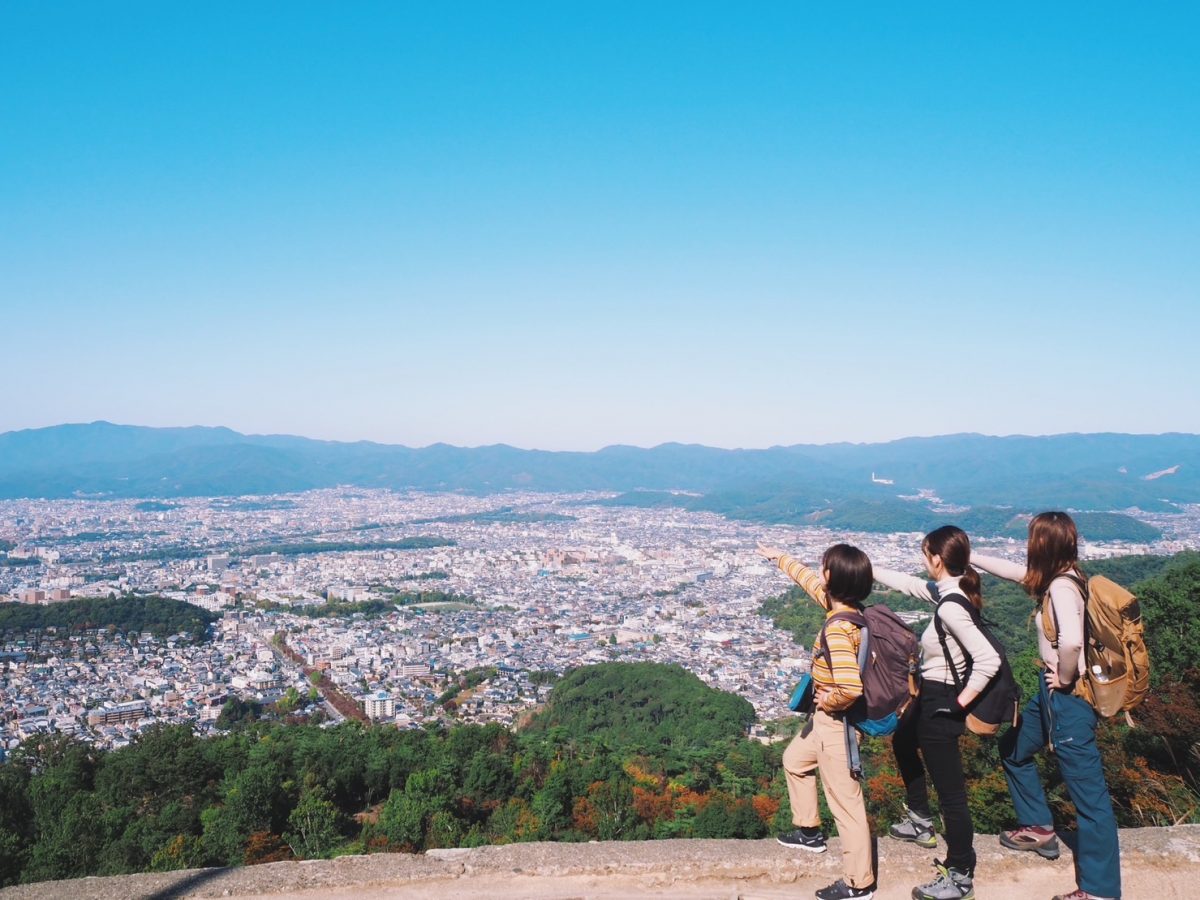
x=130 y=614
x=998 y=477
x=621 y=751
x=646 y=707
x=848 y=508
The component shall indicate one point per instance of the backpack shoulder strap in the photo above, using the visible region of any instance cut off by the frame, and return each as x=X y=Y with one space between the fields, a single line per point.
x=1050 y=614
x=960 y=600
x=1080 y=582
x=854 y=618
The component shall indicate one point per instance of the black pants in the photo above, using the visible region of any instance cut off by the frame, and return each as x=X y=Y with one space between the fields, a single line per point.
x=927 y=740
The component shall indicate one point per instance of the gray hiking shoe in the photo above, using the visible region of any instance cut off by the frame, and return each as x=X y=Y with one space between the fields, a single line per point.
x=951 y=884
x=915 y=829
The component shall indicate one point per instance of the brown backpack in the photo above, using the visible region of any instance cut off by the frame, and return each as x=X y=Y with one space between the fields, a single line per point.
x=1116 y=675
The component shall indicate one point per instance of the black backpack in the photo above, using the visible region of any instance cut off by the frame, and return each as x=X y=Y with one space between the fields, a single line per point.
x=1000 y=701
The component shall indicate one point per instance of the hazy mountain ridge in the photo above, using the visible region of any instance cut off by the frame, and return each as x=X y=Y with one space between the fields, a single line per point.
x=1080 y=471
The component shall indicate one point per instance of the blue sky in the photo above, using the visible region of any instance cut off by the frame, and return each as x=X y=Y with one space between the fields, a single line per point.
x=566 y=225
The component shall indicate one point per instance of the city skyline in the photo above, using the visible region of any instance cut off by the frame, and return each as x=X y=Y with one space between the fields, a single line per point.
x=399 y=591
x=564 y=228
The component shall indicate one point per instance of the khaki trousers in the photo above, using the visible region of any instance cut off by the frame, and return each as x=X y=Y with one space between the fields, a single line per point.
x=821 y=746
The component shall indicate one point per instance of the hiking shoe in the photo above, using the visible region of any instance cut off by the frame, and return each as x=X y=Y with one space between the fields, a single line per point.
x=839 y=890
x=951 y=884
x=1078 y=894
x=812 y=841
x=916 y=829
x=1026 y=838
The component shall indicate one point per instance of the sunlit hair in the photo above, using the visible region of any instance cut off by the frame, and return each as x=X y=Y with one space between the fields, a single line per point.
x=954 y=547
x=1053 y=549
x=849 y=577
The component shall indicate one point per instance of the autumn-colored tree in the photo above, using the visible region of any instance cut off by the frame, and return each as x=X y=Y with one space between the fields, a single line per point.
x=266 y=847
x=765 y=807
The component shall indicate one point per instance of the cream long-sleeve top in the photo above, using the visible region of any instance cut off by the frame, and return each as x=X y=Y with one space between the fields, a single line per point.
x=1067 y=600
x=961 y=632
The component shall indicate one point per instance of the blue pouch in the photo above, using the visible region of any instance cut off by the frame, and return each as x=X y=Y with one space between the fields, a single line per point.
x=802 y=696
x=878 y=727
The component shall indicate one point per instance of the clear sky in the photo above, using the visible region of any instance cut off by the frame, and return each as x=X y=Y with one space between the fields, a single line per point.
x=565 y=225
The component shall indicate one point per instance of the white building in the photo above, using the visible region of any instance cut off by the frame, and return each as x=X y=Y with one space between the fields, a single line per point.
x=379 y=705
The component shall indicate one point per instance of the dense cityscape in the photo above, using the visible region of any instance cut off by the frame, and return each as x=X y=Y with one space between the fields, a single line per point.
x=417 y=607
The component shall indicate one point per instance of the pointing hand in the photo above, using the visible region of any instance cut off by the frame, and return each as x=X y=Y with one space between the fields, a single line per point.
x=769 y=553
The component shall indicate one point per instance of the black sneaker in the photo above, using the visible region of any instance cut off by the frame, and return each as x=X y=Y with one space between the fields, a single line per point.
x=839 y=890
x=813 y=843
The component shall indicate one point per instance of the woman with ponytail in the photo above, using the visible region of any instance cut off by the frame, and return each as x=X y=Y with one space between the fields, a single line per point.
x=927 y=739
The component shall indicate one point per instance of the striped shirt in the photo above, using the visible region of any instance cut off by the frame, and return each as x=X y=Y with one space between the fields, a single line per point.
x=843 y=638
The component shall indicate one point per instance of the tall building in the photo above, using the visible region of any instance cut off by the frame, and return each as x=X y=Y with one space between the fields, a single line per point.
x=380 y=705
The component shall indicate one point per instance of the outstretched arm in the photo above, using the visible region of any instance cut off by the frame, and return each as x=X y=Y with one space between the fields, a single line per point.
x=808 y=580
x=1001 y=568
x=906 y=584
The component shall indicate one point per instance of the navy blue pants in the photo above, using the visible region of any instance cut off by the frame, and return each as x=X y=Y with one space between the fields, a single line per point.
x=1071 y=724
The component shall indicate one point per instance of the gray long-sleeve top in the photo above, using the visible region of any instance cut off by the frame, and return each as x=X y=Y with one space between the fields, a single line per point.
x=1067 y=600
x=961 y=632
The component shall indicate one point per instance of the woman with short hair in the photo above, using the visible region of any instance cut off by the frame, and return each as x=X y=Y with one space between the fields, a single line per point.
x=844 y=583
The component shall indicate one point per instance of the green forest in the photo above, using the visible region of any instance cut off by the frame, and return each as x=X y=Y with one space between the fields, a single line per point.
x=159 y=616
x=302 y=548
x=341 y=609
x=294 y=548
x=621 y=751
x=848 y=512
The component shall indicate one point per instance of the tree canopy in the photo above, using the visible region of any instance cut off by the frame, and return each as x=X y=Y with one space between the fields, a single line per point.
x=160 y=616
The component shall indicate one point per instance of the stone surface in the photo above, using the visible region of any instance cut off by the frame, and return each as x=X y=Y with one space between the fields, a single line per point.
x=1156 y=863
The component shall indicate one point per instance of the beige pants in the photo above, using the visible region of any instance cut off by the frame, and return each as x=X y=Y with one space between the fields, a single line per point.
x=821 y=746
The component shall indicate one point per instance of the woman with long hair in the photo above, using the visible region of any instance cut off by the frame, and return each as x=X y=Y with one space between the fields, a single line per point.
x=928 y=737
x=1055 y=715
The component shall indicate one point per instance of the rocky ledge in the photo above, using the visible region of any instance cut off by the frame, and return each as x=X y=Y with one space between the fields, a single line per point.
x=1156 y=863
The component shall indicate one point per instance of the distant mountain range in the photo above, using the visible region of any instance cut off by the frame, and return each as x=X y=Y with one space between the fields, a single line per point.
x=843 y=485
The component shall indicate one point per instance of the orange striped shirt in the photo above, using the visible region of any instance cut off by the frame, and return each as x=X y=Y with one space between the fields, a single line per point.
x=843 y=638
